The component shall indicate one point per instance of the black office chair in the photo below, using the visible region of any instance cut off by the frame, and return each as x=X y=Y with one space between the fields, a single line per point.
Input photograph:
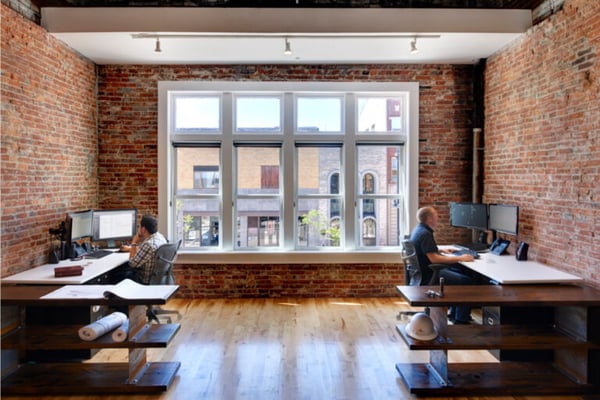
x=162 y=274
x=413 y=275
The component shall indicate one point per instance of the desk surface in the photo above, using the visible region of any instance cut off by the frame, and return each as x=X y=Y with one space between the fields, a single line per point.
x=44 y=274
x=507 y=270
x=504 y=295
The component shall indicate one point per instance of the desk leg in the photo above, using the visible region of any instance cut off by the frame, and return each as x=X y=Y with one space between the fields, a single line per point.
x=438 y=359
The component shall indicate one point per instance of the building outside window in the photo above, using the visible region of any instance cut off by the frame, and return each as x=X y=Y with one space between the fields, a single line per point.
x=268 y=167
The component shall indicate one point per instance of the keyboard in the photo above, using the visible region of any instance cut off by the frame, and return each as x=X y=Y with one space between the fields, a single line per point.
x=99 y=253
x=466 y=251
x=482 y=247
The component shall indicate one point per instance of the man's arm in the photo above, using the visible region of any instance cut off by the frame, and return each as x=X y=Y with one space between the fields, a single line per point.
x=437 y=258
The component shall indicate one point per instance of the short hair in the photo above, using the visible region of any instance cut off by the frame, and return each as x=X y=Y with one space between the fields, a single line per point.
x=424 y=213
x=150 y=223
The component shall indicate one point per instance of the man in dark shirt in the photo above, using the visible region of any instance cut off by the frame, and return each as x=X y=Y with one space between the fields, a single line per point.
x=428 y=253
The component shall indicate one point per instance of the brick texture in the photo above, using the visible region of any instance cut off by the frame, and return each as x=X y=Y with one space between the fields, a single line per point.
x=128 y=164
x=542 y=138
x=49 y=139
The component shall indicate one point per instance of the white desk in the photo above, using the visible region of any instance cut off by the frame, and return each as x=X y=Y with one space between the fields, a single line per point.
x=506 y=270
x=44 y=274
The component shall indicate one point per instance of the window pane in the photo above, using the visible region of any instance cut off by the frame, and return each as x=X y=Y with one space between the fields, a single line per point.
x=198 y=114
x=315 y=227
x=380 y=114
x=380 y=222
x=257 y=223
x=198 y=222
x=378 y=169
x=258 y=170
x=318 y=170
x=261 y=114
x=198 y=170
x=318 y=114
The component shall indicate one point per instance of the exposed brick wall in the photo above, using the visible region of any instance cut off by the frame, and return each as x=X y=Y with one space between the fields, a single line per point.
x=542 y=138
x=283 y=280
x=48 y=142
x=128 y=164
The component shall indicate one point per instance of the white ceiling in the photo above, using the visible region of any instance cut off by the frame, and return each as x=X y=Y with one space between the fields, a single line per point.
x=257 y=36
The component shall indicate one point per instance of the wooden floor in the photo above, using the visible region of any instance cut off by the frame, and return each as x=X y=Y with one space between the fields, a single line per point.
x=293 y=349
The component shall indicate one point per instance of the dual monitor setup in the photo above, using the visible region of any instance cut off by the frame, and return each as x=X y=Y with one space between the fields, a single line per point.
x=82 y=227
x=483 y=217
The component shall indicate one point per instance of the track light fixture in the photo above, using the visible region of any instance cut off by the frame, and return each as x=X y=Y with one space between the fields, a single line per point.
x=157 y=47
x=413 y=46
x=288 y=49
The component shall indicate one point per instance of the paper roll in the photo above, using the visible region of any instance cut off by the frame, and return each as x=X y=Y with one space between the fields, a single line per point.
x=103 y=325
x=120 y=334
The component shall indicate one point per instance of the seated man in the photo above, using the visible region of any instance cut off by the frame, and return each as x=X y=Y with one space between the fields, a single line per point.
x=428 y=253
x=142 y=251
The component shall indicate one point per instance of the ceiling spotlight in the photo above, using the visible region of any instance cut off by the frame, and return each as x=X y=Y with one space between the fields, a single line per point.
x=288 y=49
x=157 y=48
x=413 y=46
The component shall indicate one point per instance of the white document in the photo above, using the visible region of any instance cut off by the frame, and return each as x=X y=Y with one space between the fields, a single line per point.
x=126 y=289
x=120 y=334
x=102 y=326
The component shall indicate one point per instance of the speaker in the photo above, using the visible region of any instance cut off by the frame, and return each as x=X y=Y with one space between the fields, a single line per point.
x=522 y=251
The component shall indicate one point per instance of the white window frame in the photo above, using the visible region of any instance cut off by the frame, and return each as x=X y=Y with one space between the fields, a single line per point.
x=226 y=253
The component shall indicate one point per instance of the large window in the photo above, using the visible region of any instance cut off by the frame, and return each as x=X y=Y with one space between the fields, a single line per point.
x=287 y=166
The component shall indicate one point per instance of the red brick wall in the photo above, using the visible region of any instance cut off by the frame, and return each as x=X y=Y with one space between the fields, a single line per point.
x=48 y=143
x=128 y=165
x=542 y=138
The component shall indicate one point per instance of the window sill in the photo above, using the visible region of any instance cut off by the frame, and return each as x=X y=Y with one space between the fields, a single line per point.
x=359 y=257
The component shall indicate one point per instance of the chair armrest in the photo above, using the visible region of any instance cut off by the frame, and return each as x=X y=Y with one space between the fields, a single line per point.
x=438 y=267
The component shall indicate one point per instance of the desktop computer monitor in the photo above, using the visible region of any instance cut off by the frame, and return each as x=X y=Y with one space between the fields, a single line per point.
x=111 y=225
x=469 y=215
x=504 y=218
x=81 y=224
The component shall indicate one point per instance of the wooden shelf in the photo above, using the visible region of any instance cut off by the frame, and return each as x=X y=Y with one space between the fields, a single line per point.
x=66 y=337
x=86 y=378
x=506 y=337
x=485 y=379
x=557 y=354
x=60 y=337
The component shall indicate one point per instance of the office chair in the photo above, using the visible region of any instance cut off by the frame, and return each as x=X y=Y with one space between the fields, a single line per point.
x=413 y=276
x=163 y=275
x=412 y=270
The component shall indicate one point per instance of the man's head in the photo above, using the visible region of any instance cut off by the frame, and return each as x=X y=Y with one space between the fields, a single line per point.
x=149 y=223
x=428 y=216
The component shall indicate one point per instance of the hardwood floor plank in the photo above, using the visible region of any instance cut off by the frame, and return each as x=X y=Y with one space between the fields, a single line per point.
x=297 y=349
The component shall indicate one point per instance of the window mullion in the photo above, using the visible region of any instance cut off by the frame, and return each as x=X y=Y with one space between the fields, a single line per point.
x=227 y=168
x=349 y=167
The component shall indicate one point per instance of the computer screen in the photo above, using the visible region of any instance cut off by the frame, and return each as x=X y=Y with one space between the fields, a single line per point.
x=81 y=224
x=469 y=215
x=504 y=218
x=110 y=225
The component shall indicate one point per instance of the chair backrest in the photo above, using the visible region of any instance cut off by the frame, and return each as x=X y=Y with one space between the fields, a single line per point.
x=412 y=270
x=164 y=259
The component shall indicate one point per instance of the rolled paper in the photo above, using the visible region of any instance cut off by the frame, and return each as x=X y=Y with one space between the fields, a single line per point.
x=120 y=334
x=102 y=326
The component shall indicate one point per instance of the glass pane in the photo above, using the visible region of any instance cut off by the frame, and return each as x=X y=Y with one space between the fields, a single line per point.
x=318 y=114
x=378 y=169
x=381 y=222
x=261 y=114
x=258 y=223
x=380 y=114
x=258 y=170
x=198 y=222
x=316 y=228
x=198 y=170
x=198 y=114
x=318 y=170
